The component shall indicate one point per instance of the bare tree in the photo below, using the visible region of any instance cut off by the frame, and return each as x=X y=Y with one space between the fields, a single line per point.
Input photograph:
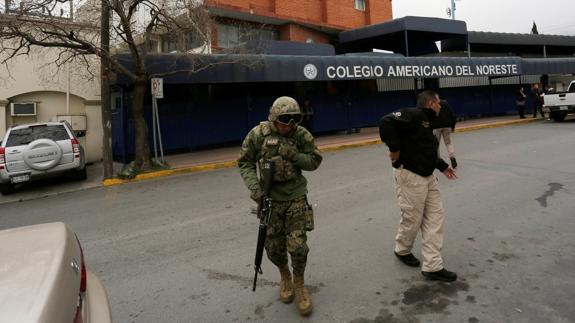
x=136 y=27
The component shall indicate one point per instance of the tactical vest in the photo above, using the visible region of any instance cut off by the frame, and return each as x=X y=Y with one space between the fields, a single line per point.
x=284 y=170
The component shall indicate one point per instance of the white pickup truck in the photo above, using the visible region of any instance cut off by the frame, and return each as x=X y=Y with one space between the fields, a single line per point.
x=560 y=104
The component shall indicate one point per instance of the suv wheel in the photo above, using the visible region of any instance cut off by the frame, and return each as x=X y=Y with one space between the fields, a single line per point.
x=6 y=188
x=80 y=175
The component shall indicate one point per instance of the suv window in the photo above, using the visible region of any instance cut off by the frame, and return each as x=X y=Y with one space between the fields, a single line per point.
x=24 y=136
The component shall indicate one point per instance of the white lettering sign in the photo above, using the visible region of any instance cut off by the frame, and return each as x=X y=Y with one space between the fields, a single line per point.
x=378 y=71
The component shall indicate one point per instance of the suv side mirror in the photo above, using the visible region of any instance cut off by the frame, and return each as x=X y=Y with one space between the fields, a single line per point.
x=80 y=134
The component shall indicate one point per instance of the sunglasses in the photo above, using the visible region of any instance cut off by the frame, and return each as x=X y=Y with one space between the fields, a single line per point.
x=289 y=118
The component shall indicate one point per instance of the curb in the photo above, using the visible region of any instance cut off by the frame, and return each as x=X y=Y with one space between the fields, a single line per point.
x=326 y=148
x=170 y=172
x=497 y=124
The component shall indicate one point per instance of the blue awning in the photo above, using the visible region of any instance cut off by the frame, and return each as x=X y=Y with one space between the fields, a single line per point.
x=410 y=36
x=289 y=68
x=540 y=66
x=436 y=28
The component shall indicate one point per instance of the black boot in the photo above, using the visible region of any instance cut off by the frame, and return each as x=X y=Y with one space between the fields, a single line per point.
x=408 y=259
x=441 y=275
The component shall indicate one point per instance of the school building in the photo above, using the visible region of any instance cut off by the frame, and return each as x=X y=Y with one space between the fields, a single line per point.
x=348 y=84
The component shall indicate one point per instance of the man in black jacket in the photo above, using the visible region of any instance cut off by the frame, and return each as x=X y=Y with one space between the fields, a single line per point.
x=413 y=152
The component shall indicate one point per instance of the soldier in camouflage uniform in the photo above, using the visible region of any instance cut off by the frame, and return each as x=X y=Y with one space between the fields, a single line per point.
x=291 y=148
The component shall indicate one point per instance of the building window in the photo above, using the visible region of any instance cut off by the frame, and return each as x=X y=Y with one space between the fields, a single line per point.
x=232 y=36
x=228 y=36
x=192 y=41
x=152 y=46
x=169 y=43
x=360 y=5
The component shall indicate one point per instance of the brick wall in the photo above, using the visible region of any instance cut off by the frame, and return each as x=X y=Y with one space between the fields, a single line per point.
x=261 y=6
x=379 y=11
x=339 y=14
x=299 y=33
x=343 y=13
x=309 y=10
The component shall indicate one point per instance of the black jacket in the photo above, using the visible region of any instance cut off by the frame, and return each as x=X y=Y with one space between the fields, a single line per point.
x=410 y=131
x=446 y=117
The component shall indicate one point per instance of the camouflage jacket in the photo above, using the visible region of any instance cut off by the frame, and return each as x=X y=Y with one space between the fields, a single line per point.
x=263 y=141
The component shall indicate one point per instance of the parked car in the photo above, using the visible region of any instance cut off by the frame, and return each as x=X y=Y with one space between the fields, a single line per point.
x=559 y=104
x=43 y=278
x=33 y=151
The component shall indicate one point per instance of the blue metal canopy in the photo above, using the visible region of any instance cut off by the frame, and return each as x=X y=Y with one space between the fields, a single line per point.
x=290 y=68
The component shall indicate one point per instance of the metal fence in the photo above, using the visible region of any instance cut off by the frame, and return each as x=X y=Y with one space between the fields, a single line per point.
x=403 y=84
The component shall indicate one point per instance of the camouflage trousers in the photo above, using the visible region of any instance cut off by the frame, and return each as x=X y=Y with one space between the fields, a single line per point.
x=289 y=222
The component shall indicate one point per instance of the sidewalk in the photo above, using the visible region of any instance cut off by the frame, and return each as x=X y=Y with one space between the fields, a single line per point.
x=223 y=158
x=226 y=157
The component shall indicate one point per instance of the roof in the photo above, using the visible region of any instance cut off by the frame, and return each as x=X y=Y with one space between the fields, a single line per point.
x=540 y=66
x=513 y=43
x=420 y=34
x=429 y=25
x=482 y=37
x=36 y=124
x=415 y=36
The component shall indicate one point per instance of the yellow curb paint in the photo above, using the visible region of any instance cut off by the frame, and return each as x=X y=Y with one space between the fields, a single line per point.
x=337 y=147
x=112 y=181
x=327 y=148
x=494 y=125
x=170 y=172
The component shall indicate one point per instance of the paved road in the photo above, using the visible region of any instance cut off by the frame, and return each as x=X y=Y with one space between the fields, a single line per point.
x=180 y=249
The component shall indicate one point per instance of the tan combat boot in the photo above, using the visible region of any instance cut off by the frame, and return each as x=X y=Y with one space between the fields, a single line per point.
x=302 y=296
x=286 y=285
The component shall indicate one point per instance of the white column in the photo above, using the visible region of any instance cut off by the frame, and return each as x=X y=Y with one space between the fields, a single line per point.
x=94 y=131
x=3 y=108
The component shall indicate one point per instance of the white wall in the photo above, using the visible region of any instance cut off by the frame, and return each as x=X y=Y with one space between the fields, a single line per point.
x=35 y=73
x=3 y=105
x=30 y=79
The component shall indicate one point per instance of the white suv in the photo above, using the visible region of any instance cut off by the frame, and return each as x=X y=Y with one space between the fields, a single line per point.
x=38 y=150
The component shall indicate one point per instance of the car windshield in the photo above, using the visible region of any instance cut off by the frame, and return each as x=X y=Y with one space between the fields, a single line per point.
x=24 y=136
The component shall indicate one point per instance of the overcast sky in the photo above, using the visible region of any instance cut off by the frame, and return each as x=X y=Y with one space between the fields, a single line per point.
x=514 y=16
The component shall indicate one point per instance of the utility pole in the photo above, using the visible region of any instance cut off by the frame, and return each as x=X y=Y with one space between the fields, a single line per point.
x=451 y=11
x=105 y=90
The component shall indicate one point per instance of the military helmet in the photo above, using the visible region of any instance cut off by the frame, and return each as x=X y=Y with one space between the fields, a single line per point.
x=283 y=105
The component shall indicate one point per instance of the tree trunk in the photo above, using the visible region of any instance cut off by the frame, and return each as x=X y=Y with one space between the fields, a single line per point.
x=143 y=159
x=108 y=160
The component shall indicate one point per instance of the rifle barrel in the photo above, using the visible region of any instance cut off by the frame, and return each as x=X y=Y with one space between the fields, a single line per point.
x=255 y=280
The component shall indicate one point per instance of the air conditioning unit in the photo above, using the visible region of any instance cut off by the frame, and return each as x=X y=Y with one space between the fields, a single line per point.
x=23 y=109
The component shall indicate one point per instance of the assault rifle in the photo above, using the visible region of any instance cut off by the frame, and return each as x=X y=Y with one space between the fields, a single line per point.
x=264 y=214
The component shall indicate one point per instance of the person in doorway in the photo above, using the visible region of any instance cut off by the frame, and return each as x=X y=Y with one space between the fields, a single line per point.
x=307 y=114
x=448 y=120
x=291 y=149
x=520 y=102
x=408 y=134
x=537 y=92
